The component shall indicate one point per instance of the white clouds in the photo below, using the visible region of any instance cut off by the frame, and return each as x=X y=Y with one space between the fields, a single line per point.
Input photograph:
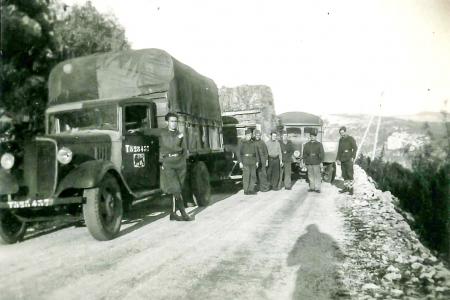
x=318 y=56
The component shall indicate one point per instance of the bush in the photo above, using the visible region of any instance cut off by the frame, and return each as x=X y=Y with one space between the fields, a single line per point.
x=423 y=191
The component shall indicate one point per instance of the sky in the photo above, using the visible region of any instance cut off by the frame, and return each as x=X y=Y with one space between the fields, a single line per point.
x=321 y=56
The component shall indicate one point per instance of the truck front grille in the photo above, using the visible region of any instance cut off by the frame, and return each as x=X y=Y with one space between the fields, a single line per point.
x=41 y=168
x=102 y=152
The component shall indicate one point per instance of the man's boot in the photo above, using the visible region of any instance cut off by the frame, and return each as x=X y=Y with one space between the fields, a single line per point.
x=350 y=191
x=173 y=214
x=180 y=206
x=344 y=190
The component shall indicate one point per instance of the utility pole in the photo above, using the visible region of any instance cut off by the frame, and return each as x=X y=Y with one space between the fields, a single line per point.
x=376 y=135
x=364 y=137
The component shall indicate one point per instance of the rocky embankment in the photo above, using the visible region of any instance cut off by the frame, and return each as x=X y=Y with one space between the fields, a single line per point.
x=385 y=259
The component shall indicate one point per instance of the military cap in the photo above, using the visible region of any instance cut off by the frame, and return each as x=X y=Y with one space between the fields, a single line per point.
x=343 y=128
x=313 y=132
x=248 y=131
x=273 y=132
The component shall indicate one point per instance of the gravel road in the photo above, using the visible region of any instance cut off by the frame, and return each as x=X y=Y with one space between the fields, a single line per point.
x=274 y=245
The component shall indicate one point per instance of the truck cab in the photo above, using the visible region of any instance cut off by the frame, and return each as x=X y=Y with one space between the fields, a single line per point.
x=299 y=126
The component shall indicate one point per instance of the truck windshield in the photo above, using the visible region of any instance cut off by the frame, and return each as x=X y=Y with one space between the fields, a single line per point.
x=101 y=118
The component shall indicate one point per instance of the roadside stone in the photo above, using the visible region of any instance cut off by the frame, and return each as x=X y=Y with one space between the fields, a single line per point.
x=370 y=286
x=396 y=292
x=392 y=276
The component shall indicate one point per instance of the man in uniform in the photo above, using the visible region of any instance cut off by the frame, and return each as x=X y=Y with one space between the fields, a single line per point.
x=313 y=155
x=287 y=150
x=173 y=155
x=275 y=162
x=263 y=162
x=248 y=161
x=345 y=157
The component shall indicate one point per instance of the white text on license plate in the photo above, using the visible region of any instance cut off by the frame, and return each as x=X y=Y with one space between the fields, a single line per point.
x=29 y=203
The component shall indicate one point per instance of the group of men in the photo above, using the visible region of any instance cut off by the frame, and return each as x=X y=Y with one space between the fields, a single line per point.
x=267 y=165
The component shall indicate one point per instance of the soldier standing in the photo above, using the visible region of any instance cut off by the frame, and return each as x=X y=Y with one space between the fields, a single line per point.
x=345 y=157
x=173 y=154
x=248 y=161
x=263 y=162
x=275 y=162
x=287 y=150
x=313 y=155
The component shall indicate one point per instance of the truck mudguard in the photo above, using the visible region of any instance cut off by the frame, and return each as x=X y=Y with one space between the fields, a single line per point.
x=86 y=175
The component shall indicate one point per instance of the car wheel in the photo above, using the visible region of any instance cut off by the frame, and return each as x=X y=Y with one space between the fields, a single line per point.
x=103 y=209
x=328 y=173
x=12 y=229
x=200 y=185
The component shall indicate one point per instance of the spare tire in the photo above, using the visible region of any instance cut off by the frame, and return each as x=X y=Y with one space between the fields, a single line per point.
x=200 y=184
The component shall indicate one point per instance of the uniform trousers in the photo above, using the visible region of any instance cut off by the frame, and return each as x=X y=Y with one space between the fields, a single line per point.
x=314 y=177
x=273 y=172
x=262 y=178
x=286 y=175
x=249 y=177
x=347 y=173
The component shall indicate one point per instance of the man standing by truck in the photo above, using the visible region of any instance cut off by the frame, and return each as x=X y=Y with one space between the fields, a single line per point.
x=287 y=150
x=248 y=161
x=313 y=155
x=173 y=154
x=345 y=157
x=261 y=172
x=275 y=162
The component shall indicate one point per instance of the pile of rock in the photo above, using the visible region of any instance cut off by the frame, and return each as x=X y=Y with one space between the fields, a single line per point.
x=385 y=259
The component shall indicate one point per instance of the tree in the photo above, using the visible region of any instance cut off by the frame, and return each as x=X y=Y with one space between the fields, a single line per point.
x=82 y=30
x=35 y=35
x=28 y=51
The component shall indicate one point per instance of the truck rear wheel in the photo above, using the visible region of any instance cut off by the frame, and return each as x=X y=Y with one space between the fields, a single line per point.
x=12 y=229
x=103 y=209
x=201 y=187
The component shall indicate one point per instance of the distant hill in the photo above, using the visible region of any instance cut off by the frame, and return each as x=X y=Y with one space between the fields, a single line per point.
x=401 y=136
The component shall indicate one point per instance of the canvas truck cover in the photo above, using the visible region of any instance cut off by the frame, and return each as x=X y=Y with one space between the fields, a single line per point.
x=126 y=74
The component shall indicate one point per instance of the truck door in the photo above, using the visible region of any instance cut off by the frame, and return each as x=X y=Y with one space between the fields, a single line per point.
x=140 y=153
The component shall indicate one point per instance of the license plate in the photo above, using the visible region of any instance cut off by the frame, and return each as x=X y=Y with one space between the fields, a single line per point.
x=29 y=203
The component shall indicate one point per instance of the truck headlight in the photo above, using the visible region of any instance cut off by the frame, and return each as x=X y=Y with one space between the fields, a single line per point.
x=64 y=155
x=7 y=161
x=296 y=154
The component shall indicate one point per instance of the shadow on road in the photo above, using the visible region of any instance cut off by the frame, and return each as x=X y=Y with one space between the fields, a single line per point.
x=317 y=254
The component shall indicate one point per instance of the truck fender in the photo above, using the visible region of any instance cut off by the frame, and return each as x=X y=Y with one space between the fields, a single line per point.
x=8 y=183
x=86 y=175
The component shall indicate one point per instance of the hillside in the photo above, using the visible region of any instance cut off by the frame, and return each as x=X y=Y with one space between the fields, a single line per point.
x=401 y=137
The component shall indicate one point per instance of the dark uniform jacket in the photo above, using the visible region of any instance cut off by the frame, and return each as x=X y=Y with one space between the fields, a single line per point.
x=262 y=151
x=287 y=151
x=313 y=153
x=172 y=146
x=347 y=148
x=247 y=153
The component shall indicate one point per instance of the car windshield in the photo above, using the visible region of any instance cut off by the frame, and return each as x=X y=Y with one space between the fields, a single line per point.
x=102 y=118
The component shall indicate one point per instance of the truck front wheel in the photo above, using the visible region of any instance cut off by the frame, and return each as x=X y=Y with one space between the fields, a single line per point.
x=103 y=209
x=201 y=187
x=12 y=229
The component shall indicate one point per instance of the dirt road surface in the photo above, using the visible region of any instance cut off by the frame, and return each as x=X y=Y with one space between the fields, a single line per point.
x=274 y=245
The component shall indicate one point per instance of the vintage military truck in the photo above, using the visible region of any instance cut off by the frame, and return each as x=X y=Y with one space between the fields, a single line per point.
x=299 y=125
x=92 y=163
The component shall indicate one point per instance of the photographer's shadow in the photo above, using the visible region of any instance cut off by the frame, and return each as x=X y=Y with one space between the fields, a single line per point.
x=317 y=255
